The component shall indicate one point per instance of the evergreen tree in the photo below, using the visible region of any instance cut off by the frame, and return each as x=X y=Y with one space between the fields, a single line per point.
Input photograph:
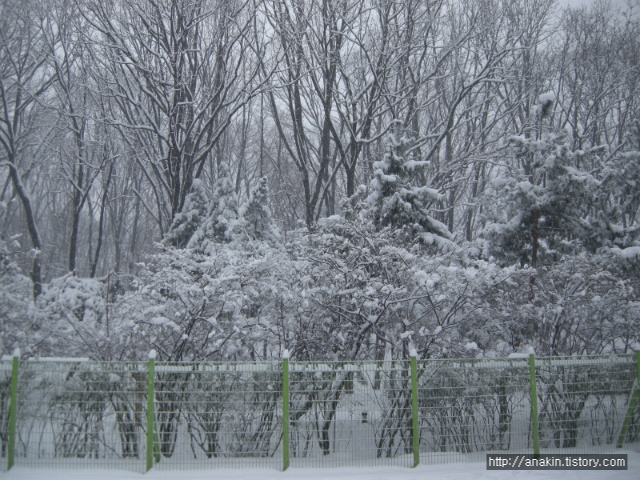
x=223 y=214
x=539 y=202
x=189 y=220
x=255 y=215
x=615 y=226
x=396 y=202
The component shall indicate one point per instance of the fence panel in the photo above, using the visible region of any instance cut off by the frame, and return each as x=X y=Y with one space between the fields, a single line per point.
x=583 y=402
x=211 y=415
x=468 y=408
x=350 y=414
x=74 y=413
x=5 y=398
x=81 y=414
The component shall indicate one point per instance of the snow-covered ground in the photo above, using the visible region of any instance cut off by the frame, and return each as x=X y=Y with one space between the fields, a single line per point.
x=455 y=471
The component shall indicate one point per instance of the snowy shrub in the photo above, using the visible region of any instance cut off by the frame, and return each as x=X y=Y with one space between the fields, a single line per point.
x=19 y=320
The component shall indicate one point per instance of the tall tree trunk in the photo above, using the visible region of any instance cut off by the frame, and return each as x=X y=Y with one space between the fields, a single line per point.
x=34 y=234
x=534 y=250
x=78 y=202
x=105 y=194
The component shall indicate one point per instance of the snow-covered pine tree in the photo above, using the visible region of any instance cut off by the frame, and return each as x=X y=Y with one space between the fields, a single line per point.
x=616 y=226
x=255 y=215
x=539 y=201
x=396 y=201
x=189 y=220
x=223 y=214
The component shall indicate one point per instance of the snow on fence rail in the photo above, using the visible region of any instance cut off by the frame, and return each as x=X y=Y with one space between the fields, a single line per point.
x=168 y=415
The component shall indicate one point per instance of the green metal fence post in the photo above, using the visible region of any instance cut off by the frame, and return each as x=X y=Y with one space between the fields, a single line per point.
x=633 y=401
x=13 y=409
x=285 y=410
x=638 y=368
x=150 y=409
x=534 y=406
x=414 y=408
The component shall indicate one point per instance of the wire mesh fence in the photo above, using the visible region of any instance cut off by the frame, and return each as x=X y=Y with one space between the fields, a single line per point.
x=76 y=413
x=5 y=401
x=468 y=408
x=348 y=414
x=218 y=415
x=137 y=415
x=583 y=402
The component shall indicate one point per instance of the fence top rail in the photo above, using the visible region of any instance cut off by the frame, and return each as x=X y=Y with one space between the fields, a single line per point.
x=77 y=365
x=586 y=360
x=173 y=367
x=522 y=361
x=327 y=366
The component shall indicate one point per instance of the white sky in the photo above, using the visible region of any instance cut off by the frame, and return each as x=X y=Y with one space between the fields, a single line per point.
x=589 y=2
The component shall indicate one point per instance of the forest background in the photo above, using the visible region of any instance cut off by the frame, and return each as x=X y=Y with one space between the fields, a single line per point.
x=344 y=179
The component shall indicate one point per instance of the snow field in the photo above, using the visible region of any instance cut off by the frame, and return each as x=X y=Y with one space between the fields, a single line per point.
x=457 y=471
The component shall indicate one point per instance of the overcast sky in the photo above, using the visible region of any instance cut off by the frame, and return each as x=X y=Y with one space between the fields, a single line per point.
x=588 y=2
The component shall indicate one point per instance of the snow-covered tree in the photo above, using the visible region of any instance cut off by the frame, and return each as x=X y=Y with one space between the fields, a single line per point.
x=75 y=299
x=256 y=221
x=222 y=217
x=397 y=202
x=190 y=218
x=16 y=306
x=583 y=305
x=25 y=79
x=233 y=304
x=615 y=226
x=366 y=296
x=539 y=201
x=203 y=69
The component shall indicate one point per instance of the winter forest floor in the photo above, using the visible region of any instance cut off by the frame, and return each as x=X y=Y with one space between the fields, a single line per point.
x=456 y=471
